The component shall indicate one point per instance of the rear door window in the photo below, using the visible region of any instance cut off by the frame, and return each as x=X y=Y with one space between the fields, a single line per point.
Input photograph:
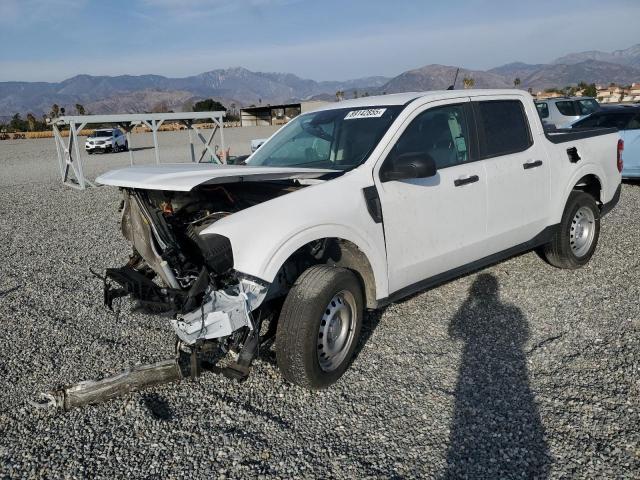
x=503 y=127
x=567 y=108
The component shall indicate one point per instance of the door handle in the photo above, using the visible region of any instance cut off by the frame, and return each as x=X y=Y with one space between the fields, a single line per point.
x=463 y=181
x=528 y=165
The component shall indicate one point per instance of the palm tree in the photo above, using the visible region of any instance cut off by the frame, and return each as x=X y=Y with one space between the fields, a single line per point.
x=516 y=82
x=468 y=82
x=79 y=109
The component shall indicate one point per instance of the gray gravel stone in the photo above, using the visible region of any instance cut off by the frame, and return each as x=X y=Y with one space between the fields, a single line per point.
x=518 y=371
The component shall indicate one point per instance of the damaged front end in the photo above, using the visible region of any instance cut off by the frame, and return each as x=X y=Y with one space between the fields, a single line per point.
x=176 y=268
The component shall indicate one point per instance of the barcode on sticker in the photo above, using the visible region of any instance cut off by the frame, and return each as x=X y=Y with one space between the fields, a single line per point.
x=368 y=113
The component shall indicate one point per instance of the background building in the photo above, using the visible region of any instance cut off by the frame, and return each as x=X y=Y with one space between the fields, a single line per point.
x=276 y=114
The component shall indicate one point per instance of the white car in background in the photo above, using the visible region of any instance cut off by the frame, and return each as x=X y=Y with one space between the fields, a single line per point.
x=562 y=111
x=106 y=140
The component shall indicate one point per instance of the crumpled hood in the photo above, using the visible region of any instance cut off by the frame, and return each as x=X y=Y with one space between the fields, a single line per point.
x=185 y=176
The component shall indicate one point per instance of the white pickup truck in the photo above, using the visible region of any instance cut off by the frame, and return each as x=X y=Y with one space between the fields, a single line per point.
x=350 y=208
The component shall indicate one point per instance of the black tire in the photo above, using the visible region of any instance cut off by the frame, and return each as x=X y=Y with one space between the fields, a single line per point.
x=559 y=252
x=304 y=313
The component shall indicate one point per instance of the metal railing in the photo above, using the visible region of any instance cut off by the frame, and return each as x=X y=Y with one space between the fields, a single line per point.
x=69 y=155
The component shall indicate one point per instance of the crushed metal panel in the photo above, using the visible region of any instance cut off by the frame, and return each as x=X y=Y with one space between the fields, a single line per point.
x=222 y=314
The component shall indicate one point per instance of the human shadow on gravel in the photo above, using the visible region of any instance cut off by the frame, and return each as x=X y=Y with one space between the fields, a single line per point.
x=496 y=430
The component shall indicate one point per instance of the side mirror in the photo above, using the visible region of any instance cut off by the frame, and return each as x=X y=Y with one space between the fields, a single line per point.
x=408 y=166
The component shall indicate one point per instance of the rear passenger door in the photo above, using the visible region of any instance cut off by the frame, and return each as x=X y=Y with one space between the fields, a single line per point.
x=517 y=172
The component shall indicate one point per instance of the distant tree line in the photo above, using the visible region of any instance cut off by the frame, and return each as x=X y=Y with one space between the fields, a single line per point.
x=585 y=89
x=31 y=123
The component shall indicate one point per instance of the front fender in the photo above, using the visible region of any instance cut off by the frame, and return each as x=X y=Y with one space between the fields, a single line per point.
x=264 y=236
x=279 y=255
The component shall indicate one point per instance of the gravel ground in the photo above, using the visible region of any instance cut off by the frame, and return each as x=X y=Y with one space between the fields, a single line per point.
x=518 y=371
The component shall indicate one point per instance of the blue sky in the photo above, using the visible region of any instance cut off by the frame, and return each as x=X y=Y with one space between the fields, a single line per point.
x=49 y=40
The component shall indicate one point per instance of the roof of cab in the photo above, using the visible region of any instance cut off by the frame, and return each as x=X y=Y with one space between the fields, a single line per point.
x=404 y=98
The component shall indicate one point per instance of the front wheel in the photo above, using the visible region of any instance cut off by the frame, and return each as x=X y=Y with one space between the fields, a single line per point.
x=575 y=241
x=319 y=326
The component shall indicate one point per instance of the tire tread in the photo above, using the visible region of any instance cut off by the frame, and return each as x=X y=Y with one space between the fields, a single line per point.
x=295 y=324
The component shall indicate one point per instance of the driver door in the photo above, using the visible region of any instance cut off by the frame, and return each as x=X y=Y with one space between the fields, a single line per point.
x=433 y=225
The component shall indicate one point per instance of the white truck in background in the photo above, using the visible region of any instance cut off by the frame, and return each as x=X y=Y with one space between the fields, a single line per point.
x=352 y=207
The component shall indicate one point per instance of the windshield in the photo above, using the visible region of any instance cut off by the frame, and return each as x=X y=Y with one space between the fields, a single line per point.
x=101 y=133
x=338 y=139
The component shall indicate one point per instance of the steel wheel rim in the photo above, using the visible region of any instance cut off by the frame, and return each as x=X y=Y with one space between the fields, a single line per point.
x=337 y=329
x=582 y=231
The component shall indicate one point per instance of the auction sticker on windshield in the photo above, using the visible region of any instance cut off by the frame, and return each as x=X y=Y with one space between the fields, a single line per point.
x=368 y=113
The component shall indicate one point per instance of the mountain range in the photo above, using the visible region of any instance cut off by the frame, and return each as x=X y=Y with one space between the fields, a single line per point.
x=239 y=86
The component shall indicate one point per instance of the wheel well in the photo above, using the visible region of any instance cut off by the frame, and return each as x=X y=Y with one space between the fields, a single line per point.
x=590 y=184
x=329 y=251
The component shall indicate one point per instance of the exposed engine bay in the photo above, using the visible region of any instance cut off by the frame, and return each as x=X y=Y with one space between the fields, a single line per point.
x=176 y=268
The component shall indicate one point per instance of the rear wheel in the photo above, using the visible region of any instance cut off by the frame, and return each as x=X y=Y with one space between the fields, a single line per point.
x=574 y=243
x=319 y=326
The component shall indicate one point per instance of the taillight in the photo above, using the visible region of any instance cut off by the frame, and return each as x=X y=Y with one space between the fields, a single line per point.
x=620 y=150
